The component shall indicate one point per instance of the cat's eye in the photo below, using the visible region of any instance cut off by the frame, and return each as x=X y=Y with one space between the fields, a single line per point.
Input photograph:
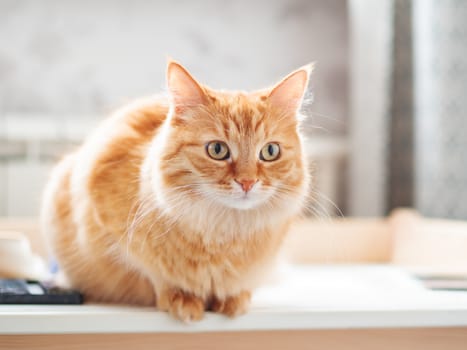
x=271 y=151
x=218 y=150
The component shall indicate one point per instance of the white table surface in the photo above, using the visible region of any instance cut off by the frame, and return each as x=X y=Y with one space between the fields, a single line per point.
x=302 y=297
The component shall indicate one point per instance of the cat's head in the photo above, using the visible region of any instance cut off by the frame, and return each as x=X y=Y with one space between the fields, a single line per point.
x=233 y=151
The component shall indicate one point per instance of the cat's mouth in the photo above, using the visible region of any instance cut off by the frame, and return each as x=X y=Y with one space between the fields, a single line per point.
x=235 y=198
x=244 y=201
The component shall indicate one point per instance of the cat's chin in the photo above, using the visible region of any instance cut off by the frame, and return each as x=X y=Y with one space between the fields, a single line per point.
x=243 y=203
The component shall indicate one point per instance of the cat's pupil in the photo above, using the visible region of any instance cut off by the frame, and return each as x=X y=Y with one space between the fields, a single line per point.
x=271 y=150
x=217 y=148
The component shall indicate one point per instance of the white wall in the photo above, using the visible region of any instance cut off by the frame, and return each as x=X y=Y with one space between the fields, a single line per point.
x=371 y=64
x=89 y=56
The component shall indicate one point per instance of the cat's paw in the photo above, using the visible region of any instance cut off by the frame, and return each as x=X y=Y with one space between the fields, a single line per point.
x=232 y=306
x=185 y=306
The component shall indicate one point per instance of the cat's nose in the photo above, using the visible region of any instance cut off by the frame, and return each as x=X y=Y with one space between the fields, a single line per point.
x=247 y=184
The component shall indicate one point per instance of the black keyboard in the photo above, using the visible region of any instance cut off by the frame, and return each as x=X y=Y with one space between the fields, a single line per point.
x=16 y=291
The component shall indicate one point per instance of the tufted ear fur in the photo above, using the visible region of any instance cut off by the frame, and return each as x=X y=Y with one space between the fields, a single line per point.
x=288 y=94
x=184 y=90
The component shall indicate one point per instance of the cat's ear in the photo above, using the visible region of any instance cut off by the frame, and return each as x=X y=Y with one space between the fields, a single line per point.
x=287 y=95
x=184 y=90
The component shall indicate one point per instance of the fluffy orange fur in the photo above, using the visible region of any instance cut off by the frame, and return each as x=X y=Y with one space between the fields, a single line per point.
x=142 y=214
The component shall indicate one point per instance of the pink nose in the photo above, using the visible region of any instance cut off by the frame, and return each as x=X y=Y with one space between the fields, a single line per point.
x=247 y=184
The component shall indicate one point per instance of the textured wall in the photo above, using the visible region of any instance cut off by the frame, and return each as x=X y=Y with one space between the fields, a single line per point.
x=85 y=57
x=400 y=187
x=441 y=107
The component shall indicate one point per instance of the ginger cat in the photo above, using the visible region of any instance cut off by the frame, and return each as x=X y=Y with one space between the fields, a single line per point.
x=181 y=202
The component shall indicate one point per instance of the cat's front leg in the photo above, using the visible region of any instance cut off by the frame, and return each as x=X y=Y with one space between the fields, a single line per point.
x=232 y=306
x=182 y=305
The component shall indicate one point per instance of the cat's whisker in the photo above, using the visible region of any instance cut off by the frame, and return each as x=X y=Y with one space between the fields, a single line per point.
x=336 y=120
x=139 y=216
x=318 y=210
x=311 y=205
x=310 y=128
x=327 y=199
x=137 y=203
x=140 y=212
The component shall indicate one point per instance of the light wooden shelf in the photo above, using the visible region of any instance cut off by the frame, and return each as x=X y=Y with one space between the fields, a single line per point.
x=302 y=298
